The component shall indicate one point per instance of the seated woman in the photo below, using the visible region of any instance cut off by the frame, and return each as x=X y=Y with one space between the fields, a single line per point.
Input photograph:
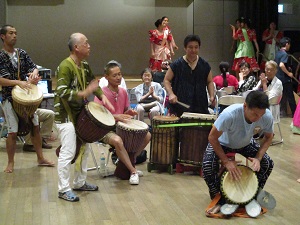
x=247 y=79
x=149 y=95
x=225 y=79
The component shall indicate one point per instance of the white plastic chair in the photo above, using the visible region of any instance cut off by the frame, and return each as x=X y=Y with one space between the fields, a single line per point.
x=275 y=110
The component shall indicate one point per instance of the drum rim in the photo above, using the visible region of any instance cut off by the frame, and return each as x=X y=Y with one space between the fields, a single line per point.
x=188 y=115
x=226 y=196
x=173 y=118
x=119 y=125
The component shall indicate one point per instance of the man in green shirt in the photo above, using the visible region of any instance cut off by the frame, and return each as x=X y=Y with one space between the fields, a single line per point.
x=75 y=82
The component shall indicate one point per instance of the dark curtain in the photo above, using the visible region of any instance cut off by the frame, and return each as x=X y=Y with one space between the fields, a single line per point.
x=261 y=13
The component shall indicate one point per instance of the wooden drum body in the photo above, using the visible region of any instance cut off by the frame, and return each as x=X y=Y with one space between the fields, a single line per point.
x=194 y=139
x=240 y=191
x=26 y=102
x=94 y=122
x=133 y=134
x=164 y=141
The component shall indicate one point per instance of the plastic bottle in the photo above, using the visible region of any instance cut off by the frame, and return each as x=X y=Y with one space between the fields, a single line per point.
x=102 y=161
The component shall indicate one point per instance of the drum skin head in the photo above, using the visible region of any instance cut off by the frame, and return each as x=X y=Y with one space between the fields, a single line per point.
x=198 y=116
x=240 y=191
x=133 y=125
x=31 y=95
x=101 y=114
x=166 y=118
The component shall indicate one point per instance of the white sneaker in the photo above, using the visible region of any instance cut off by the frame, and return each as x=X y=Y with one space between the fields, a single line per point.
x=134 y=178
x=140 y=173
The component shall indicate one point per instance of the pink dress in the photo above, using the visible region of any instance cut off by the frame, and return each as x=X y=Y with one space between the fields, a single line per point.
x=162 y=52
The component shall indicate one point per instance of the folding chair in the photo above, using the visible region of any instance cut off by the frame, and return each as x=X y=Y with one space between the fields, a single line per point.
x=275 y=109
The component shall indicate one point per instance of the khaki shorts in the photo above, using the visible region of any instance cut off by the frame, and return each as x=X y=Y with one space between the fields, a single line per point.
x=107 y=137
x=12 y=120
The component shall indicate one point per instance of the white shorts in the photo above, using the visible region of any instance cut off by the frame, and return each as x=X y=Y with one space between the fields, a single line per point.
x=12 y=120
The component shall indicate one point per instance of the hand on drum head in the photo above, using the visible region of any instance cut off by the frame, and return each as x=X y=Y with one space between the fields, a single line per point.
x=234 y=172
x=33 y=78
x=255 y=166
x=24 y=85
x=122 y=117
x=131 y=112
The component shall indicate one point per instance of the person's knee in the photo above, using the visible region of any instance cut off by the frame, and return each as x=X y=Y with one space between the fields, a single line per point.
x=117 y=142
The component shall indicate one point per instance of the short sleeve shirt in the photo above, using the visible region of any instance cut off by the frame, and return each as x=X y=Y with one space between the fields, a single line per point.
x=237 y=133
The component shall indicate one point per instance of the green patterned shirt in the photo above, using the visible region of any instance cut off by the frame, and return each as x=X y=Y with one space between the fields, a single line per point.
x=67 y=89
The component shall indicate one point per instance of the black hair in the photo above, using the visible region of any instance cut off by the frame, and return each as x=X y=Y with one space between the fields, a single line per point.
x=158 y=22
x=257 y=99
x=111 y=64
x=224 y=66
x=283 y=41
x=190 y=38
x=146 y=70
x=4 y=30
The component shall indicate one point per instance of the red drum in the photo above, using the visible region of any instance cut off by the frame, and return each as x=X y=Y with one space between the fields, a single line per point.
x=133 y=134
x=193 y=139
x=240 y=191
x=94 y=122
x=164 y=140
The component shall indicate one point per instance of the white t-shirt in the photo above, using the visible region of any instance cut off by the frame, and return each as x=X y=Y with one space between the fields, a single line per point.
x=104 y=82
x=237 y=133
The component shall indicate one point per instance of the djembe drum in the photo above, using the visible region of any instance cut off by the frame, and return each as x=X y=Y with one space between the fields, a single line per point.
x=93 y=123
x=164 y=142
x=240 y=191
x=193 y=139
x=133 y=134
x=25 y=103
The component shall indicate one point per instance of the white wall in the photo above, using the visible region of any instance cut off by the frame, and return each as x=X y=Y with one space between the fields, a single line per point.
x=211 y=22
x=116 y=29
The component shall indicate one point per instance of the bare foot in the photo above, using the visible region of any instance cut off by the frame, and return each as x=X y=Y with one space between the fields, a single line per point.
x=213 y=210
x=298 y=180
x=9 y=168
x=45 y=162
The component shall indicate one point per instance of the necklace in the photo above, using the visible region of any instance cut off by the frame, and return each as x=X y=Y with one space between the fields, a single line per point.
x=115 y=94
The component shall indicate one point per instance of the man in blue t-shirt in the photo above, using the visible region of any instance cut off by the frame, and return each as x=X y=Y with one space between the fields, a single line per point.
x=284 y=74
x=233 y=132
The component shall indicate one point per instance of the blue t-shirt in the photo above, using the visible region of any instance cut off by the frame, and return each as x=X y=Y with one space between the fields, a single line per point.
x=237 y=133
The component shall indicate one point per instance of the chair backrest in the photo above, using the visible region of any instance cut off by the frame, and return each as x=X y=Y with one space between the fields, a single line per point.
x=230 y=99
x=164 y=96
x=275 y=100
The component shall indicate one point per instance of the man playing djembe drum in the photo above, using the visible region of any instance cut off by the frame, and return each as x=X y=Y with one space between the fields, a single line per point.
x=75 y=82
x=17 y=68
x=119 y=99
x=233 y=132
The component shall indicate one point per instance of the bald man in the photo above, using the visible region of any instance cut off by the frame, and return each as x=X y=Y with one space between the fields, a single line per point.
x=75 y=82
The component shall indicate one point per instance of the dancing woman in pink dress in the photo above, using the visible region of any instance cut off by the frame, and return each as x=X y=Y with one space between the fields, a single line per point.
x=160 y=46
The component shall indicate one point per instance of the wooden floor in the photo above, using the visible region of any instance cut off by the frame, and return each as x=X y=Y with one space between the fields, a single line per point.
x=29 y=195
